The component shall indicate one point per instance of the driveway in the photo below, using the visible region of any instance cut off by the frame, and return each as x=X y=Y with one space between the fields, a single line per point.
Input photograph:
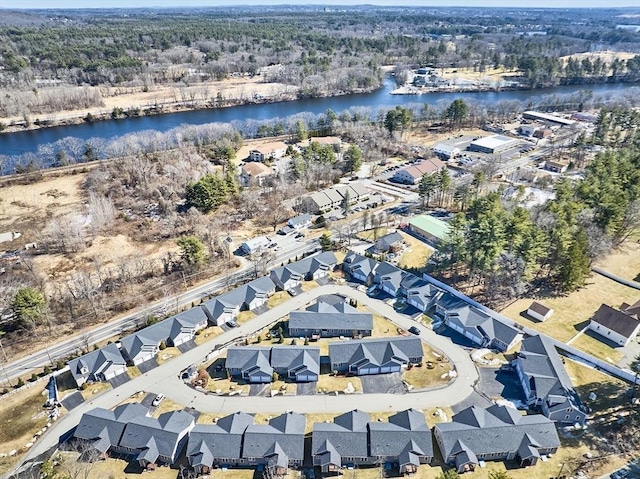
x=72 y=401
x=187 y=346
x=495 y=384
x=119 y=380
x=262 y=390
x=383 y=384
x=148 y=365
x=306 y=389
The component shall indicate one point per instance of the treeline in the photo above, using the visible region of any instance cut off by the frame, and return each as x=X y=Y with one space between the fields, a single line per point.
x=317 y=50
x=508 y=249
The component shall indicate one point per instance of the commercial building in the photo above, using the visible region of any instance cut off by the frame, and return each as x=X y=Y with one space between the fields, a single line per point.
x=430 y=228
x=493 y=144
x=545 y=117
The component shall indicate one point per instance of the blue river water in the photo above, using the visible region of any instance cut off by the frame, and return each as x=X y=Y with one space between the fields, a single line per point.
x=21 y=142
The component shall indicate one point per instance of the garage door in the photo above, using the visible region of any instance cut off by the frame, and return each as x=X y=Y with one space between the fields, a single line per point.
x=142 y=359
x=365 y=371
x=306 y=378
x=385 y=369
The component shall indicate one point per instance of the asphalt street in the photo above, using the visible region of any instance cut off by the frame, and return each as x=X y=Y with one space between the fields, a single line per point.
x=38 y=359
x=165 y=379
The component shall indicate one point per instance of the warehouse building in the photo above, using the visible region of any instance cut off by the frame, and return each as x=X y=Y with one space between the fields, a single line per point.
x=493 y=144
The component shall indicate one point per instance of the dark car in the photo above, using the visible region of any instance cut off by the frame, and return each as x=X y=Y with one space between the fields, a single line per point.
x=231 y=323
x=414 y=330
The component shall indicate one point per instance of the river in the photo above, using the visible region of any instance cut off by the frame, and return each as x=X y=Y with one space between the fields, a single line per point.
x=18 y=143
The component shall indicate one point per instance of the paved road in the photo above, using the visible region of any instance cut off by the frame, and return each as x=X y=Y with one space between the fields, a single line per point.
x=165 y=378
x=38 y=359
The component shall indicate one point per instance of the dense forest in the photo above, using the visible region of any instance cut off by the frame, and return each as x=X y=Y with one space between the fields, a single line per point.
x=498 y=243
x=320 y=50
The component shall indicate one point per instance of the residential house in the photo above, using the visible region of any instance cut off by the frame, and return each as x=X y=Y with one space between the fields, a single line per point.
x=319 y=203
x=546 y=383
x=539 y=311
x=389 y=277
x=299 y=222
x=218 y=444
x=258 y=292
x=359 y=268
x=255 y=174
x=101 y=365
x=276 y=446
x=404 y=441
x=423 y=296
x=389 y=243
x=411 y=175
x=267 y=151
x=330 y=320
x=183 y=326
x=225 y=307
x=157 y=441
x=498 y=433
x=353 y=440
x=249 y=296
x=312 y=267
x=102 y=428
x=249 y=363
x=483 y=329
x=255 y=245
x=342 y=443
x=614 y=325
x=356 y=192
x=377 y=356
x=297 y=364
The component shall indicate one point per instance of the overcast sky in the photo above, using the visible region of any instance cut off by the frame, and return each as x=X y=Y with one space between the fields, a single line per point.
x=186 y=3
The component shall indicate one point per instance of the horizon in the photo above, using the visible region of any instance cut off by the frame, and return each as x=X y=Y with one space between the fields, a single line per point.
x=132 y=4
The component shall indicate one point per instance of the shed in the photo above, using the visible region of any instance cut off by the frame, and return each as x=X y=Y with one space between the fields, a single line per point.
x=539 y=311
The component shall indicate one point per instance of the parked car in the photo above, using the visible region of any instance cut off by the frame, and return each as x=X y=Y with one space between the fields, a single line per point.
x=414 y=330
x=232 y=323
x=157 y=400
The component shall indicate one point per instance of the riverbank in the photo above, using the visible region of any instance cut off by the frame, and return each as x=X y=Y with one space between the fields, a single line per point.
x=132 y=103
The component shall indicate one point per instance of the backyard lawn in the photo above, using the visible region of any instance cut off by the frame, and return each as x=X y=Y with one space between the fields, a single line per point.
x=416 y=255
x=573 y=311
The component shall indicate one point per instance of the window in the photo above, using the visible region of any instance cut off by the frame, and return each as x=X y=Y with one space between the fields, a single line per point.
x=567 y=416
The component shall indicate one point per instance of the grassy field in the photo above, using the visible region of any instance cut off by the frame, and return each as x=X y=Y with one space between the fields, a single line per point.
x=278 y=298
x=573 y=311
x=111 y=468
x=416 y=255
x=588 y=341
x=609 y=390
x=245 y=316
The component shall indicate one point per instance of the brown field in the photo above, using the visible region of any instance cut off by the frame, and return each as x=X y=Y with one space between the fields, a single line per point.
x=573 y=311
x=233 y=89
x=422 y=136
x=606 y=56
x=489 y=75
x=21 y=416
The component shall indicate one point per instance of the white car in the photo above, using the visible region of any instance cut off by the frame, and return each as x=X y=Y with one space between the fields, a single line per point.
x=157 y=400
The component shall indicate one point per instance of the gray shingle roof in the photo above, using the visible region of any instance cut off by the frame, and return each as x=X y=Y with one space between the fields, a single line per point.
x=96 y=361
x=376 y=351
x=476 y=431
x=163 y=434
x=615 y=320
x=541 y=364
x=106 y=425
x=313 y=320
x=347 y=435
x=192 y=316
x=221 y=440
x=299 y=220
x=286 y=430
x=387 y=241
x=355 y=262
x=249 y=359
x=406 y=433
x=299 y=359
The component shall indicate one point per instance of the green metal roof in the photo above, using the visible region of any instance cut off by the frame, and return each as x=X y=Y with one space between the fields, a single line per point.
x=431 y=225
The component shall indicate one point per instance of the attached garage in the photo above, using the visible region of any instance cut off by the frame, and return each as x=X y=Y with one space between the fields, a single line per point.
x=368 y=370
x=112 y=373
x=144 y=357
x=306 y=378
